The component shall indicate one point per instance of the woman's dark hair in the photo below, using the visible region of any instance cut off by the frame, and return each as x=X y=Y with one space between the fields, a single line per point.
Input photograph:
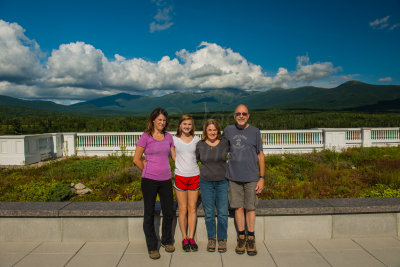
x=185 y=117
x=216 y=124
x=154 y=114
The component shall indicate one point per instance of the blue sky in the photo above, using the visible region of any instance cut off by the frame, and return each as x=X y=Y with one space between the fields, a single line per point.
x=70 y=51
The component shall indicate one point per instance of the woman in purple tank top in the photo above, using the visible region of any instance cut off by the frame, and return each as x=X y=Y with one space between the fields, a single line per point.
x=157 y=145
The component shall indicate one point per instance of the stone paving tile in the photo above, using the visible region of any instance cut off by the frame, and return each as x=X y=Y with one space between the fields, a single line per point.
x=17 y=247
x=58 y=248
x=44 y=260
x=299 y=259
x=350 y=258
x=129 y=260
x=196 y=259
x=95 y=260
x=103 y=248
x=12 y=252
x=294 y=253
x=376 y=242
x=289 y=246
x=389 y=256
x=335 y=244
x=344 y=252
x=386 y=250
x=8 y=259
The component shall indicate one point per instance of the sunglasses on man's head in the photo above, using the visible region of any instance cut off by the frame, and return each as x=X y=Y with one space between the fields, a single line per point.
x=244 y=114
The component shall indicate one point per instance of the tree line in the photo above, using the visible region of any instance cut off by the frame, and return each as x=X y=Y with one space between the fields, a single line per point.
x=52 y=122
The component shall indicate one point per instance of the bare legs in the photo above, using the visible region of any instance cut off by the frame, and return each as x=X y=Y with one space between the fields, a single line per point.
x=250 y=219
x=187 y=201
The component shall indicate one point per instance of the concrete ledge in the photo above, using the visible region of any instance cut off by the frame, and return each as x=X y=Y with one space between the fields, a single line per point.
x=122 y=221
x=278 y=207
x=31 y=209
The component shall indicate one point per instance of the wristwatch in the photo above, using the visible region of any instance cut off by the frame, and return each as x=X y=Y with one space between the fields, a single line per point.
x=261 y=176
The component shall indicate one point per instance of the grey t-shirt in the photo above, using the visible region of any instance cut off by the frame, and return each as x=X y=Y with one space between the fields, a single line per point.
x=245 y=144
x=213 y=160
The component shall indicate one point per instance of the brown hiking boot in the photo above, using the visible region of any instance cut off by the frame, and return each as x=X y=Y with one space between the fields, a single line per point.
x=221 y=245
x=241 y=244
x=168 y=247
x=251 y=246
x=154 y=254
x=211 y=245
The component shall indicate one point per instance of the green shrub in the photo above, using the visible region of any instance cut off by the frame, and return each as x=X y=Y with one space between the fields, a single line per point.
x=381 y=190
x=60 y=192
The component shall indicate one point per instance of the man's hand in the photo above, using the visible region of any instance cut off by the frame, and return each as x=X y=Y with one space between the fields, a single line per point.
x=260 y=186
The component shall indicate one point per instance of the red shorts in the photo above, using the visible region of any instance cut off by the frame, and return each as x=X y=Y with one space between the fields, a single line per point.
x=186 y=183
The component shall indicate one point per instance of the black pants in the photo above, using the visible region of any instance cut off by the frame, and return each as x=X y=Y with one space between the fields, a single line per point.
x=150 y=189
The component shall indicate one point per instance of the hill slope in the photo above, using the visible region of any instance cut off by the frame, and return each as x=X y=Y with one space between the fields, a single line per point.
x=350 y=95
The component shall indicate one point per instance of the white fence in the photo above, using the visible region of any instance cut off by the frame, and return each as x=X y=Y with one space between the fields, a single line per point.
x=28 y=149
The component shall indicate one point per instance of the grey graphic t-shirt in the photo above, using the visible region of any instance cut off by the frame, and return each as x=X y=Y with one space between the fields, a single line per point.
x=243 y=154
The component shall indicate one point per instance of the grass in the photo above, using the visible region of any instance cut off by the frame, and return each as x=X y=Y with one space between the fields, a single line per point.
x=356 y=172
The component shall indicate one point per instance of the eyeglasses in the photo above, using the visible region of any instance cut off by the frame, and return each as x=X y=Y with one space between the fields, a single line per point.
x=244 y=114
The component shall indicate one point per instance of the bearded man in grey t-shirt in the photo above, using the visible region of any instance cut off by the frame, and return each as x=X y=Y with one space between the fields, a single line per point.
x=246 y=178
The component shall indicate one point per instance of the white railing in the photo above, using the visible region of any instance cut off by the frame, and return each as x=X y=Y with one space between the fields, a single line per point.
x=23 y=150
x=102 y=144
x=292 y=140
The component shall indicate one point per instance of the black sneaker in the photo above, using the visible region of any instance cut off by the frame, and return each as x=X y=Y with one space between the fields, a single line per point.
x=193 y=245
x=186 y=245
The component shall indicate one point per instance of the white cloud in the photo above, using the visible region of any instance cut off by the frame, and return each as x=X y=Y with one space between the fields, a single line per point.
x=394 y=26
x=162 y=18
x=348 y=77
x=75 y=64
x=19 y=56
x=386 y=79
x=79 y=71
x=380 y=23
x=383 y=23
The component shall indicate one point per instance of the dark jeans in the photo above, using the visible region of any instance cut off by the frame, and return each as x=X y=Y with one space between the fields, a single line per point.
x=150 y=189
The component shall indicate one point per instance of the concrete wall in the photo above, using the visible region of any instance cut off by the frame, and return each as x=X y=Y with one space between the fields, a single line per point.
x=267 y=228
x=276 y=219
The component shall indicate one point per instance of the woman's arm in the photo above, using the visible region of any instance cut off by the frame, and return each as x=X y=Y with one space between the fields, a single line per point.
x=137 y=158
x=197 y=152
x=173 y=153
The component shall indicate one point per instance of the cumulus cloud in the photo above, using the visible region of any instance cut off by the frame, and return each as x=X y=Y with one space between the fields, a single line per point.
x=386 y=79
x=79 y=71
x=19 y=56
x=163 y=19
x=75 y=64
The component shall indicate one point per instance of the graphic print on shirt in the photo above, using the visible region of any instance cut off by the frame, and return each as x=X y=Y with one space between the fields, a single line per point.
x=239 y=141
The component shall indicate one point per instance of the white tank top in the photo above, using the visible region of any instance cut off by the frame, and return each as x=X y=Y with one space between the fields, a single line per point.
x=185 y=161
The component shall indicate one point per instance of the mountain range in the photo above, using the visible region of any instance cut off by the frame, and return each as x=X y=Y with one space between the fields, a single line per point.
x=352 y=95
